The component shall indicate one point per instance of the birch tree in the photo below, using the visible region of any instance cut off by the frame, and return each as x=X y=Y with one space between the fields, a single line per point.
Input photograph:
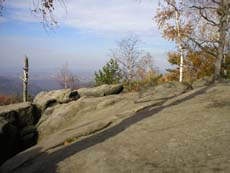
x=171 y=21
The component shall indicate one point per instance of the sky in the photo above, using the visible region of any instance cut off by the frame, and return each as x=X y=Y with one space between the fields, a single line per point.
x=87 y=31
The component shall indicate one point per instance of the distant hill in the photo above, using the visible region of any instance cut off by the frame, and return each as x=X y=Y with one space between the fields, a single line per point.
x=13 y=85
x=9 y=86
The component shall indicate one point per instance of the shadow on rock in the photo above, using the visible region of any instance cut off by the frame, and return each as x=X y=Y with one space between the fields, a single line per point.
x=44 y=162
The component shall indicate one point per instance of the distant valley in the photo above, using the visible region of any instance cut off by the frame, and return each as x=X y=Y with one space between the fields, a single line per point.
x=13 y=85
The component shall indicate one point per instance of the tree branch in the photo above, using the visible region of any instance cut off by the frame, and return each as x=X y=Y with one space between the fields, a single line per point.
x=216 y=2
x=204 y=16
x=201 y=46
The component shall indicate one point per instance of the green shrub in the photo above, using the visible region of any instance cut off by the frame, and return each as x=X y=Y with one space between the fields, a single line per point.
x=109 y=74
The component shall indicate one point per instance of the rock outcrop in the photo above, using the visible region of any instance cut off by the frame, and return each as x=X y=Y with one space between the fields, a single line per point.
x=63 y=114
x=57 y=109
x=60 y=117
x=167 y=128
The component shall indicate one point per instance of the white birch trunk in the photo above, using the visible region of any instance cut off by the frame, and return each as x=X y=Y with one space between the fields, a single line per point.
x=179 y=41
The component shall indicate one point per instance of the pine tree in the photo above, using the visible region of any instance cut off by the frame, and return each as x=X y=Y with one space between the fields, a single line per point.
x=109 y=74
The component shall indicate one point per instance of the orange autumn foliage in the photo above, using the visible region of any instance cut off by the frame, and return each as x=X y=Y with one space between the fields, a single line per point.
x=197 y=64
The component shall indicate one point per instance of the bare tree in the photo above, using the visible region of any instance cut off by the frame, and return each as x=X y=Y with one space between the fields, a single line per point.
x=128 y=55
x=135 y=63
x=66 y=78
x=146 y=68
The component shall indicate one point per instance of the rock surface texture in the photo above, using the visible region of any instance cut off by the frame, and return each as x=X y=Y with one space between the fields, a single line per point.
x=167 y=128
x=17 y=130
x=47 y=99
x=202 y=82
x=103 y=90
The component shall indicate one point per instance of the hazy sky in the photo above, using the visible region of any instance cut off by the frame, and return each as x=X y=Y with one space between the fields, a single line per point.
x=88 y=30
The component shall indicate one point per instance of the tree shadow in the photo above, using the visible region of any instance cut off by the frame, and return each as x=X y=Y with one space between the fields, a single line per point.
x=44 y=162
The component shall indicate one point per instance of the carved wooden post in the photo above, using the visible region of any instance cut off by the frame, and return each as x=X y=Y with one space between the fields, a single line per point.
x=25 y=80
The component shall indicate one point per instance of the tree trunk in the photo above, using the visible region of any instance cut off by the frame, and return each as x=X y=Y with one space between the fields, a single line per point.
x=221 y=41
x=25 y=80
x=65 y=84
x=181 y=64
x=218 y=64
x=179 y=41
x=219 y=59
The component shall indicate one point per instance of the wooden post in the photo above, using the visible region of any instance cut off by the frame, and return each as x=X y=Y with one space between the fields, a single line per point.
x=25 y=79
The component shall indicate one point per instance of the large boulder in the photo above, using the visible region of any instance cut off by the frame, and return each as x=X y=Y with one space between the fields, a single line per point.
x=46 y=99
x=103 y=90
x=13 y=120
